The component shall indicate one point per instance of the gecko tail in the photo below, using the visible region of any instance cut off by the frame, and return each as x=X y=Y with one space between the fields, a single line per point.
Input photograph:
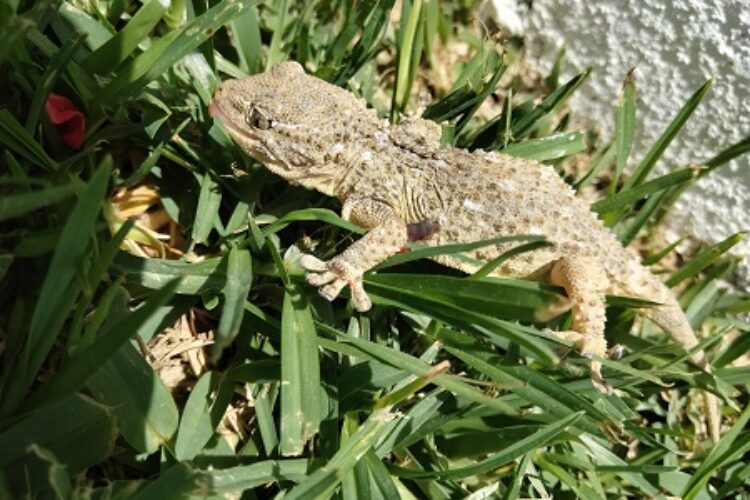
x=670 y=318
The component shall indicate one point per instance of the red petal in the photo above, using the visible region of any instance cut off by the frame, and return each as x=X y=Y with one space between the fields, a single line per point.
x=71 y=123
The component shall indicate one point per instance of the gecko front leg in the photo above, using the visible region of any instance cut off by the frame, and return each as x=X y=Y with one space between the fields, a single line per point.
x=387 y=235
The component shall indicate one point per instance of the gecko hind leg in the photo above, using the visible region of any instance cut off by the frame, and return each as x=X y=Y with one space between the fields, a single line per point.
x=585 y=282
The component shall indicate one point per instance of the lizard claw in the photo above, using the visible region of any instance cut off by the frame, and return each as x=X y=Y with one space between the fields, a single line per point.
x=332 y=277
x=588 y=346
x=597 y=380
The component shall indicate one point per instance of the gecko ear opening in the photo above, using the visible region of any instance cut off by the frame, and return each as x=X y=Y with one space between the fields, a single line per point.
x=418 y=135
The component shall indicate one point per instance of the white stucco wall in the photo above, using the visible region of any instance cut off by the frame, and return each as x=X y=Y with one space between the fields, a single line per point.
x=674 y=46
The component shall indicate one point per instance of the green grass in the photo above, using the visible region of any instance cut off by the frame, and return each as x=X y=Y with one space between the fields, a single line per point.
x=449 y=387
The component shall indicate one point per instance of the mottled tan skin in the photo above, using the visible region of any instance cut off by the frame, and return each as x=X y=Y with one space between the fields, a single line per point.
x=388 y=177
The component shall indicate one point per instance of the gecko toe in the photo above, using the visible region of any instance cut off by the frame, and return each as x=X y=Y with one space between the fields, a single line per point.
x=332 y=290
x=312 y=263
x=360 y=299
x=331 y=277
x=616 y=352
x=320 y=279
x=596 y=377
x=601 y=386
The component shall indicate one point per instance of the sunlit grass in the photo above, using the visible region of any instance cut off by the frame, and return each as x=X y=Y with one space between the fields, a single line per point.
x=449 y=386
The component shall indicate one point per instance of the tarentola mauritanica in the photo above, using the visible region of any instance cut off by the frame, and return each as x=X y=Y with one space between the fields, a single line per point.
x=398 y=181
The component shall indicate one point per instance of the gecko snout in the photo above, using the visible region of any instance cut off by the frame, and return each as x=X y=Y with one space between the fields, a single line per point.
x=213 y=107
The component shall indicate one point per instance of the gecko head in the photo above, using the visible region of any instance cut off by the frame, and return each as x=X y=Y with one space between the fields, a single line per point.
x=289 y=121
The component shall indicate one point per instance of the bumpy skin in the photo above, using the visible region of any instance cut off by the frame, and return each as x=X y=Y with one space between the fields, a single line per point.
x=398 y=181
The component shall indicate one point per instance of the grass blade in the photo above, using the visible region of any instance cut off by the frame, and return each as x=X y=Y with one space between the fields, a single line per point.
x=61 y=286
x=323 y=481
x=526 y=123
x=485 y=90
x=366 y=46
x=76 y=429
x=207 y=211
x=275 y=54
x=18 y=139
x=731 y=446
x=738 y=348
x=202 y=414
x=602 y=456
x=357 y=445
x=704 y=259
x=628 y=196
x=300 y=375
x=423 y=418
x=145 y=411
x=492 y=265
x=548 y=148
x=361 y=348
x=239 y=280
x=169 y=49
x=308 y=214
x=554 y=398
x=418 y=251
x=459 y=317
x=409 y=53
x=640 y=173
x=452 y=105
x=642 y=217
x=48 y=79
x=515 y=488
x=97 y=33
x=600 y=160
x=553 y=79
x=17 y=205
x=624 y=126
x=86 y=361
x=656 y=257
x=244 y=477
x=725 y=156
x=115 y=50
x=194 y=278
x=537 y=440
x=495 y=297
x=245 y=36
x=179 y=481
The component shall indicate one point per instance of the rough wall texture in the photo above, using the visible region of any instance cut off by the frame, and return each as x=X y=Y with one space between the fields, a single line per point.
x=674 y=46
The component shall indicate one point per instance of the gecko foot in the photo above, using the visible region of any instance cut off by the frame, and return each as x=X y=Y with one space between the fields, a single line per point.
x=589 y=346
x=597 y=380
x=333 y=276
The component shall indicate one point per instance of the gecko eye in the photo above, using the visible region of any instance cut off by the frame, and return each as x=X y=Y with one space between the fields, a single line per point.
x=258 y=120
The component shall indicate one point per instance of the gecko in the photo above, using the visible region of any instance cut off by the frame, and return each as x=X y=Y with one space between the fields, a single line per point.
x=400 y=184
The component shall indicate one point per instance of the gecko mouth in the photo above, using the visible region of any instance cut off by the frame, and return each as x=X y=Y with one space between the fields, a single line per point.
x=214 y=110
